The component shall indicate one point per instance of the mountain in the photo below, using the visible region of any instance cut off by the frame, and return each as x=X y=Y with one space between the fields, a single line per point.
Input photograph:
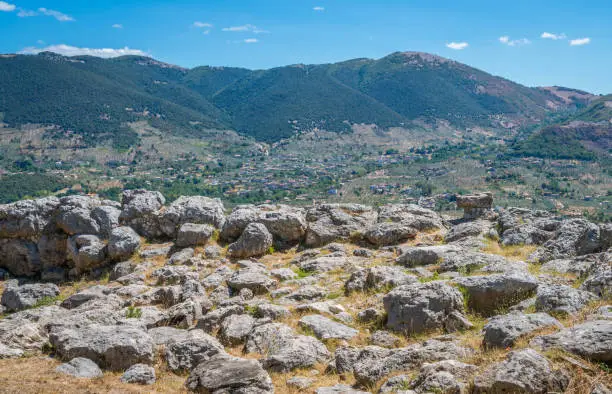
x=96 y=97
x=583 y=135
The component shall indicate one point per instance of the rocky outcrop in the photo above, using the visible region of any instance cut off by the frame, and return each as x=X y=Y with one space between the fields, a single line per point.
x=504 y=330
x=227 y=374
x=474 y=205
x=332 y=222
x=113 y=347
x=206 y=294
x=591 y=340
x=523 y=371
x=492 y=293
x=283 y=349
x=16 y=297
x=255 y=240
x=423 y=307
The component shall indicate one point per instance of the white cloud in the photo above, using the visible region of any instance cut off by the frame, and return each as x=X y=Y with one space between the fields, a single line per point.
x=6 y=7
x=580 y=41
x=513 y=43
x=202 y=25
x=56 y=14
x=457 y=45
x=251 y=41
x=319 y=8
x=68 y=50
x=26 y=13
x=117 y=26
x=245 y=28
x=553 y=36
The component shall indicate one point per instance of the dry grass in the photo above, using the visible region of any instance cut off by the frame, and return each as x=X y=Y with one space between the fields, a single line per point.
x=37 y=375
x=317 y=373
x=511 y=252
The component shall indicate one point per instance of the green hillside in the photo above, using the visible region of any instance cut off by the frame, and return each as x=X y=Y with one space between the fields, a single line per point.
x=95 y=97
x=583 y=136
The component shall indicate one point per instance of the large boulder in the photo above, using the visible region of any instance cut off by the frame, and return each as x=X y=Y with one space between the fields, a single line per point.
x=523 y=371
x=123 y=243
x=580 y=266
x=193 y=347
x=192 y=209
x=389 y=233
x=227 y=374
x=421 y=307
x=371 y=363
x=52 y=249
x=107 y=218
x=493 y=293
x=425 y=255
x=235 y=329
x=286 y=224
x=240 y=217
x=16 y=298
x=20 y=257
x=283 y=349
x=75 y=220
x=521 y=226
x=410 y=215
x=474 y=205
x=140 y=211
x=87 y=252
x=256 y=240
x=332 y=222
x=562 y=299
x=574 y=237
x=27 y=218
x=591 y=340
x=600 y=281
x=112 y=347
x=504 y=330
x=469 y=233
x=190 y=234
x=256 y=280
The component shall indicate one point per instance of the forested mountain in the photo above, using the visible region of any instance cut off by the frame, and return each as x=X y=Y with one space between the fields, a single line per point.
x=95 y=97
x=580 y=136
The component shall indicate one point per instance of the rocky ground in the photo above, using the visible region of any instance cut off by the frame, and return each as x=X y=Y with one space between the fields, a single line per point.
x=146 y=297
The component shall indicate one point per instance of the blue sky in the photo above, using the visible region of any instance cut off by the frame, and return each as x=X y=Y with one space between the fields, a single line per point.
x=503 y=38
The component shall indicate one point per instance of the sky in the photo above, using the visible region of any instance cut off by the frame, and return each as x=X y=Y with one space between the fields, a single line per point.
x=535 y=42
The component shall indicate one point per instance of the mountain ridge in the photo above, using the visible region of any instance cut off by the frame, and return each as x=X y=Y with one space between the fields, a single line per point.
x=265 y=104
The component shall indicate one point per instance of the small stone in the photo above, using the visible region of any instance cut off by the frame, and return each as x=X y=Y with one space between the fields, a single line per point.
x=139 y=374
x=80 y=367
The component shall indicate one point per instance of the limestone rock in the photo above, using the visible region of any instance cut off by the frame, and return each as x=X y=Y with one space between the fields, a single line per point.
x=16 y=298
x=325 y=328
x=523 y=371
x=80 y=367
x=591 y=340
x=123 y=243
x=254 y=241
x=421 y=307
x=112 y=347
x=227 y=374
x=503 y=331
x=489 y=294
x=139 y=374
x=190 y=234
